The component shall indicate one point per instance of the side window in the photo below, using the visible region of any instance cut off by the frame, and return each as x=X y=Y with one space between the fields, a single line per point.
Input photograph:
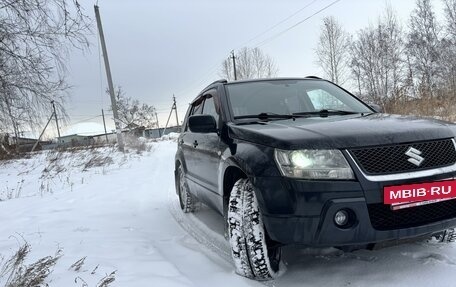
x=184 y=127
x=209 y=108
x=197 y=108
x=323 y=100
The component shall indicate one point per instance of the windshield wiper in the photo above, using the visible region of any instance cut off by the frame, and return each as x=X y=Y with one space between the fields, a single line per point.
x=269 y=116
x=266 y=116
x=326 y=112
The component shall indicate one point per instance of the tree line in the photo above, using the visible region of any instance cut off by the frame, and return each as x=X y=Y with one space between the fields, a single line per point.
x=403 y=68
x=406 y=69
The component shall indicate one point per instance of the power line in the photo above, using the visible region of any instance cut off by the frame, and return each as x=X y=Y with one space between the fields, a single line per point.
x=78 y=116
x=277 y=24
x=211 y=70
x=262 y=43
x=84 y=120
x=201 y=80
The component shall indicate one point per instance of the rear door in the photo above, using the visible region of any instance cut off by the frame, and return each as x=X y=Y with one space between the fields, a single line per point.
x=187 y=143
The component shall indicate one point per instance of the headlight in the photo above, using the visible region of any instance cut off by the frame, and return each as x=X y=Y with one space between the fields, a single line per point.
x=313 y=164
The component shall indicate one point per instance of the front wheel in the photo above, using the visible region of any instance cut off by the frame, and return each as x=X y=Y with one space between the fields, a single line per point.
x=255 y=255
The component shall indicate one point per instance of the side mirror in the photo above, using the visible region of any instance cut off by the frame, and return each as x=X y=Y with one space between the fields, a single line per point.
x=376 y=108
x=202 y=124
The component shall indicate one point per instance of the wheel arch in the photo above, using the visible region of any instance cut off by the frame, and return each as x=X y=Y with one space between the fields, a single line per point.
x=231 y=175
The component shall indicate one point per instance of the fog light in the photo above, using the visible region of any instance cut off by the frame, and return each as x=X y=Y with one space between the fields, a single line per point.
x=341 y=218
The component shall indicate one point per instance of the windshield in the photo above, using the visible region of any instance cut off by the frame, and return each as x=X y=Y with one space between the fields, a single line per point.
x=288 y=97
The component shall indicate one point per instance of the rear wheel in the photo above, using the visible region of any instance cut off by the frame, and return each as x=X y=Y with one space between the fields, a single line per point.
x=255 y=255
x=187 y=201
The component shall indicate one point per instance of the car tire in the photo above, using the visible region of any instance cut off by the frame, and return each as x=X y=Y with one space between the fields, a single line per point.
x=255 y=255
x=187 y=201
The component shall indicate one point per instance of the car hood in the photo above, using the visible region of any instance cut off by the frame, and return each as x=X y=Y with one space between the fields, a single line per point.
x=342 y=132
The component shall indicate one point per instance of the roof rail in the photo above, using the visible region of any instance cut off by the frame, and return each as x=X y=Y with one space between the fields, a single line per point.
x=313 y=77
x=222 y=81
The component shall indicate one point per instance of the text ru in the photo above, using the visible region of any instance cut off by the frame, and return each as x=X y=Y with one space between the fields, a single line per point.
x=419 y=192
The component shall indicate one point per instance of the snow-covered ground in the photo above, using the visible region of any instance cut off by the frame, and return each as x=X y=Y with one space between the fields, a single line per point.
x=121 y=214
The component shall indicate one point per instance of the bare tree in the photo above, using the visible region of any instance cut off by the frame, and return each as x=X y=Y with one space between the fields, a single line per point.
x=132 y=113
x=35 y=38
x=449 y=48
x=377 y=61
x=250 y=64
x=424 y=48
x=332 y=50
x=450 y=16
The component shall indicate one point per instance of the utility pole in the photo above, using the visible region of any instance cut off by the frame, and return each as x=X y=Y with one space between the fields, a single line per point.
x=234 y=64
x=158 y=124
x=174 y=107
x=56 y=120
x=110 y=84
x=104 y=125
x=39 y=138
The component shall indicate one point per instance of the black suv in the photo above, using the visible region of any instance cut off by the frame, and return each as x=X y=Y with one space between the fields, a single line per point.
x=303 y=161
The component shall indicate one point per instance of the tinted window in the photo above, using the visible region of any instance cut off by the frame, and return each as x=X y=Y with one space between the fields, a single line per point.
x=197 y=108
x=209 y=107
x=289 y=96
x=322 y=100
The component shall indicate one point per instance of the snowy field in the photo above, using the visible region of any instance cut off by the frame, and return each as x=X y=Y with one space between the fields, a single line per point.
x=117 y=217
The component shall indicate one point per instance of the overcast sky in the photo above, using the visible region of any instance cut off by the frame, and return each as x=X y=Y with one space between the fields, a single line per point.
x=160 y=48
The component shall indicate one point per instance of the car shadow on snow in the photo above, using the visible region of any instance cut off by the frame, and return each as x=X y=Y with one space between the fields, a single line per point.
x=423 y=263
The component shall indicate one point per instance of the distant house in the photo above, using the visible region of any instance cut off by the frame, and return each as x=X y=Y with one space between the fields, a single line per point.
x=159 y=132
x=75 y=140
x=101 y=138
x=134 y=130
x=26 y=144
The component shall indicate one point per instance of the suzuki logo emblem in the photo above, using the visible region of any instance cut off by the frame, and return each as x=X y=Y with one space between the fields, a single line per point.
x=415 y=156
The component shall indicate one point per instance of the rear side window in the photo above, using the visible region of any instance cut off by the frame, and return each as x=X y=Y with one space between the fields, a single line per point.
x=197 y=108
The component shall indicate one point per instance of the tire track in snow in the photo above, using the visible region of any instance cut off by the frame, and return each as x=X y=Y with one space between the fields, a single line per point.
x=191 y=224
x=210 y=239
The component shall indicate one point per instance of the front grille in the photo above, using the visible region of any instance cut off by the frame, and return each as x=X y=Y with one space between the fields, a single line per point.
x=392 y=158
x=383 y=218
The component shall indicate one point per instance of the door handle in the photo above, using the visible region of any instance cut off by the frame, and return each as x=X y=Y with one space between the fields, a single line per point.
x=195 y=144
x=181 y=141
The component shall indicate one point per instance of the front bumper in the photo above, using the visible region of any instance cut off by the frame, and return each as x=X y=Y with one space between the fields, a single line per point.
x=302 y=212
x=323 y=232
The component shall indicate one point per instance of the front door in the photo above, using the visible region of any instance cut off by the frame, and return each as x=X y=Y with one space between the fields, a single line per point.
x=204 y=152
